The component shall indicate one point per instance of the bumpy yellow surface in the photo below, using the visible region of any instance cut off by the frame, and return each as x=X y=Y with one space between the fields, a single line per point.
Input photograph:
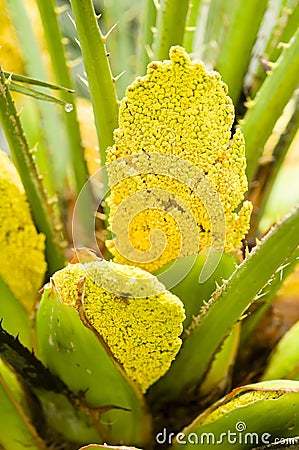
x=141 y=332
x=22 y=262
x=180 y=109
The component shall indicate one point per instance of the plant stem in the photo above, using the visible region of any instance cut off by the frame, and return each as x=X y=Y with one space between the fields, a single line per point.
x=149 y=22
x=100 y=80
x=284 y=26
x=121 y=14
x=267 y=174
x=43 y=209
x=235 y=50
x=62 y=75
x=287 y=32
x=218 y=21
x=171 y=22
x=47 y=137
x=269 y=102
x=192 y=20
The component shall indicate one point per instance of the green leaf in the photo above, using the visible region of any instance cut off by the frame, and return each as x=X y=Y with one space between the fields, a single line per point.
x=269 y=102
x=43 y=210
x=171 y=18
x=75 y=353
x=236 y=47
x=35 y=82
x=148 y=24
x=284 y=359
x=100 y=80
x=249 y=416
x=42 y=120
x=219 y=376
x=228 y=304
x=62 y=412
x=267 y=295
x=190 y=290
x=72 y=421
x=193 y=16
x=16 y=428
x=62 y=75
x=277 y=27
x=119 y=19
x=269 y=172
x=13 y=316
x=286 y=28
x=38 y=95
x=219 y=14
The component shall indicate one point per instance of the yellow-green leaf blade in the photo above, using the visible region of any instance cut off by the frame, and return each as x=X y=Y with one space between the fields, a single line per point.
x=16 y=429
x=74 y=352
x=250 y=416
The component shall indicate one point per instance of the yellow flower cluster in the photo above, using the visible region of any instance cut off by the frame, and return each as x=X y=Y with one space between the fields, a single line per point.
x=10 y=53
x=179 y=109
x=22 y=261
x=139 y=320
